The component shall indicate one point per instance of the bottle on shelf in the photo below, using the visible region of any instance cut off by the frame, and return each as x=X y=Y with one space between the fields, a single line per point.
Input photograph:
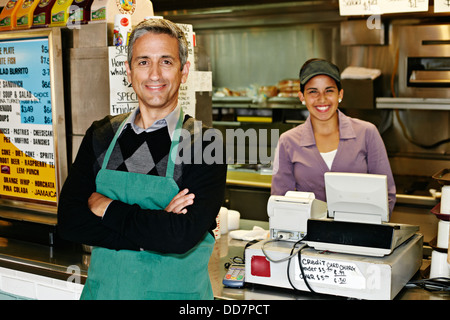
x=60 y=13
x=8 y=15
x=43 y=13
x=24 y=15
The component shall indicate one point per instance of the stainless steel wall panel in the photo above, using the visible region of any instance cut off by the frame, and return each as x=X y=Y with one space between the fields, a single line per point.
x=89 y=81
x=264 y=56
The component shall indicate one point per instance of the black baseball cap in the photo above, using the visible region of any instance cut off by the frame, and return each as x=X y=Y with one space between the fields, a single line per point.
x=318 y=67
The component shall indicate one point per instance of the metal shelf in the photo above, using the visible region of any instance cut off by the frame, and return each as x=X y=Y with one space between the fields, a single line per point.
x=413 y=103
x=249 y=103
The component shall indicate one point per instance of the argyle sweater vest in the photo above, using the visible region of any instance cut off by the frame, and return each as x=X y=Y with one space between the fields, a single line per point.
x=145 y=153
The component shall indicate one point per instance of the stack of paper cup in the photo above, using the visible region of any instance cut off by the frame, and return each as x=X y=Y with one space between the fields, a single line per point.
x=443 y=234
x=439 y=265
x=122 y=29
x=448 y=254
x=440 y=260
x=216 y=231
x=445 y=199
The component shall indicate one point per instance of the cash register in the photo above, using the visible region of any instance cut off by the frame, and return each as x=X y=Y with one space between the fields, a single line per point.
x=352 y=250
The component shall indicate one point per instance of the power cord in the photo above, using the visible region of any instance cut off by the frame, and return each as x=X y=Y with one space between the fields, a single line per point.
x=237 y=259
x=432 y=285
x=305 y=280
x=292 y=254
x=301 y=269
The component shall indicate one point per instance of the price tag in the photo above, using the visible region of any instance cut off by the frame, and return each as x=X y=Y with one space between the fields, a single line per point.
x=369 y=7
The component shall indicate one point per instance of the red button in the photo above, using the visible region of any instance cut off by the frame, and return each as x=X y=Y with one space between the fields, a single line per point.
x=260 y=266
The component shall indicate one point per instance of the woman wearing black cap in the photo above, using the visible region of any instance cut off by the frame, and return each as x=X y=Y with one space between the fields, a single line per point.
x=328 y=140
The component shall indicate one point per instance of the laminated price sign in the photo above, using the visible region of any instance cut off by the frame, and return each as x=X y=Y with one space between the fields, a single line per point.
x=28 y=155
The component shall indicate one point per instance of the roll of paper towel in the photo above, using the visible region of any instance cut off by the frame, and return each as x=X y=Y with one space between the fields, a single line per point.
x=445 y=200
x=233 y=219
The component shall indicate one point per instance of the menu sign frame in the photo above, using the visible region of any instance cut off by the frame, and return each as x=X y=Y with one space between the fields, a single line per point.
x=33 y=151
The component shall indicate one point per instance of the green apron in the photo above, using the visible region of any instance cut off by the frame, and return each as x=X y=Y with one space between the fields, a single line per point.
x=133 y=275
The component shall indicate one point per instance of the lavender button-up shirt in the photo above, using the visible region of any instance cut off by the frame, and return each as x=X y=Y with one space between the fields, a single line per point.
x=299 y=166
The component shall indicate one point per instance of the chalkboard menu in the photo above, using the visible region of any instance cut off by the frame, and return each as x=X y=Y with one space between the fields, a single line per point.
x=32 y=128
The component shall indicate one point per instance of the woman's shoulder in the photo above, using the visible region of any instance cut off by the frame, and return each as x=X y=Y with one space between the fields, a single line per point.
x=301 y=133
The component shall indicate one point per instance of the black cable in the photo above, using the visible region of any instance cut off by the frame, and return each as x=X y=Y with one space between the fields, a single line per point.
x=301 y=270
x=289 y=264
x=300 y=265
x=237 y=259
x=432 y=285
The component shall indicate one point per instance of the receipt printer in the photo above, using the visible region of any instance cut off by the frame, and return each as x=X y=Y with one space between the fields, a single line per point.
x=289 y=214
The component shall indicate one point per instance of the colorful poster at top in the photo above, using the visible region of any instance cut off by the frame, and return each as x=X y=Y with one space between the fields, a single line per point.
x=27 y=156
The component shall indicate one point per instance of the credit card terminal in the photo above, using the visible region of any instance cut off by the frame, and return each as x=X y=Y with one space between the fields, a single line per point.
x=234 y=278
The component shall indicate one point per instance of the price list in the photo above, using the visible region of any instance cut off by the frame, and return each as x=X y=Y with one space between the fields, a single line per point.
x=26 y=130
x=330 y=272
x=369 y=7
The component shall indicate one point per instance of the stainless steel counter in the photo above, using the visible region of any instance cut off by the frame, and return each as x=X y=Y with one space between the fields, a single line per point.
x=58 y=262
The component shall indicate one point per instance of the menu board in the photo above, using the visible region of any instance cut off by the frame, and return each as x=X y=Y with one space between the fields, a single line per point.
x=333 y=273
x=27 y=133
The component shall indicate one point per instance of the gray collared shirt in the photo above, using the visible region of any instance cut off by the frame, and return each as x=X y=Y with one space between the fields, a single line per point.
x=170 y=121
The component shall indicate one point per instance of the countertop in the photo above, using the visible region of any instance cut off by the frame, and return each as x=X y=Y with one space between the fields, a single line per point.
x=58 y=262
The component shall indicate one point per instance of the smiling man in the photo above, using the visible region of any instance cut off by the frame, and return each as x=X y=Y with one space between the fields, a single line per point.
x=150 y=217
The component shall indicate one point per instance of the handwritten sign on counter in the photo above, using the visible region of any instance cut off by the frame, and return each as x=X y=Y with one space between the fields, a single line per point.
x=27 y=140
x=331 y=272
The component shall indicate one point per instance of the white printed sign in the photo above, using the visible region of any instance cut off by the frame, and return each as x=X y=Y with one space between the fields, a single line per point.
x=356 y=8
x=396 y=6
x=441 y=6
x=369 y=7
